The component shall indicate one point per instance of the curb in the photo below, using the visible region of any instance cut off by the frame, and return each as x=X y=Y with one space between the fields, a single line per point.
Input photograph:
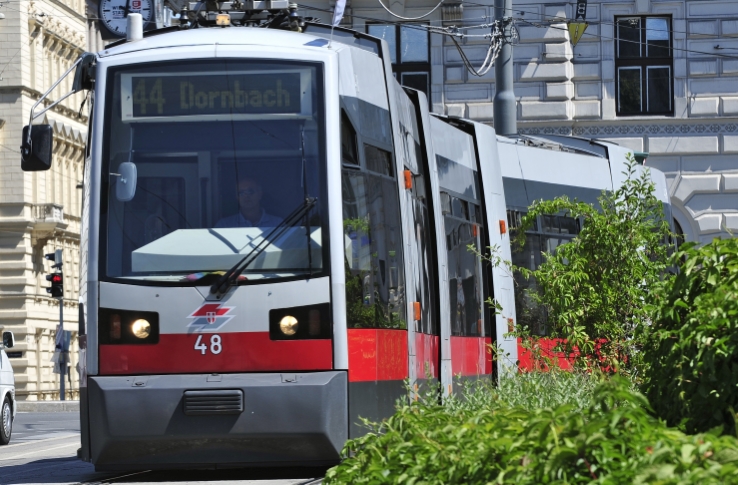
x=47 y=406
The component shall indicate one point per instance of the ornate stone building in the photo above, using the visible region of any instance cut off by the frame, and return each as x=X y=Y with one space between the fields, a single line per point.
x=656 y=76
x=39 y=212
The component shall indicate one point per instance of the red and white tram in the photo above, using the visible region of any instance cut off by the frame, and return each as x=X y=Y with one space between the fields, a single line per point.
x=275 y=238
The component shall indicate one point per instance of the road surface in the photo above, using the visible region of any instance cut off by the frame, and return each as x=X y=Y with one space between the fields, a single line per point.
x=43 y=450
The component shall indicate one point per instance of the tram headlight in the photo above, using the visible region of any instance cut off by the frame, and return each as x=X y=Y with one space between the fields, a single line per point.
x=141 y=328
x=288 y=325
x=301 y=322
x=127 y=327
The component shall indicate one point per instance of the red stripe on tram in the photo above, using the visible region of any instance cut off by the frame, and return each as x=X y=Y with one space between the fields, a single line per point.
x=377 y=354
x=426 y=355
x=234 y=352
x=471 y=356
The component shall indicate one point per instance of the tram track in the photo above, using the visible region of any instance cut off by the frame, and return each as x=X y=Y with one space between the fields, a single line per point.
x=159 y=476
x=111 y=479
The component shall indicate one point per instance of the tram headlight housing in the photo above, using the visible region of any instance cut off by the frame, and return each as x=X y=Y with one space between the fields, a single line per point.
x=127 y=327
x=302 y=322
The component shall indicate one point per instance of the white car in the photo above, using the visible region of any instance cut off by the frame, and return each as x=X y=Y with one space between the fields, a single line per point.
x=7 y=390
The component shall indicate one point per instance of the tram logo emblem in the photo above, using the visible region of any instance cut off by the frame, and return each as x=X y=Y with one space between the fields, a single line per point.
x=209 y=318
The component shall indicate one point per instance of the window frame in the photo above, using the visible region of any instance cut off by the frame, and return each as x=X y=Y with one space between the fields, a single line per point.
x=409 y=67
x=644 y=64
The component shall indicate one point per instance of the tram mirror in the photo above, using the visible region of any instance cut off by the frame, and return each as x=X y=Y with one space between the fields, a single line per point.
x=125 y=186
x=36 y=148
x=8 y=340
x=83 y=75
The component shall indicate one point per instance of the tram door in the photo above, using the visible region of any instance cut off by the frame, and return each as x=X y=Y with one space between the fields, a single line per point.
x=374 y=268
x=464 y=280
x=426 y=331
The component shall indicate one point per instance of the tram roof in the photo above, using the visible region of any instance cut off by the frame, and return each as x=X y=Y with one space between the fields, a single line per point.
x=221 y=36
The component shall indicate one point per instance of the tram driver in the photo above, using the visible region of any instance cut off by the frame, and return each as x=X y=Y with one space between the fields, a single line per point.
x=250 y=213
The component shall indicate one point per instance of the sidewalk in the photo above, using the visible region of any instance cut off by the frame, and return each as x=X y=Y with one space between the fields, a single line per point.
x=48 y=406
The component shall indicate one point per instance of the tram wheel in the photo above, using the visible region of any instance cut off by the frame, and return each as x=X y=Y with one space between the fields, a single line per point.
x=6 y=422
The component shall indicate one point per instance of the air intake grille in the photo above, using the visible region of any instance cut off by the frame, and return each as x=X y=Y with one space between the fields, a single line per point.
x=198 y=403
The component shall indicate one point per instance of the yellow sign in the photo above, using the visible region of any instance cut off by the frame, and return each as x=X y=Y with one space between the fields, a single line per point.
x=193 y=94
x=576 y=30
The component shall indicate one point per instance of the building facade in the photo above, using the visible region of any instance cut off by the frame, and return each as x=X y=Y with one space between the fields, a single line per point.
x=656 y=76
x=39 y=212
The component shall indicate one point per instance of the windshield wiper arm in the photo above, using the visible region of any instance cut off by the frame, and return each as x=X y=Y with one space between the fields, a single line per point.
x=224 y=283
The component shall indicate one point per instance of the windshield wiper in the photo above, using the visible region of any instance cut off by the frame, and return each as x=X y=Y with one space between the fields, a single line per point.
x=220 y=287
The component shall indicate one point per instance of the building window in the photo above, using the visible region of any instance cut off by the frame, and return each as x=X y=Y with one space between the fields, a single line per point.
x=644 y=66
x=409 y=47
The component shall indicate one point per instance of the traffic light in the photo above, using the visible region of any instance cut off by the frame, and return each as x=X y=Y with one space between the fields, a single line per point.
x=57 y=279
x=57 y=285
x=56 y=257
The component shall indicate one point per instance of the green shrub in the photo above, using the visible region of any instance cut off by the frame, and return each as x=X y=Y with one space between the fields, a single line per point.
x=691 y=351
x=592 y=287
x=530 y=390
x=615 y=440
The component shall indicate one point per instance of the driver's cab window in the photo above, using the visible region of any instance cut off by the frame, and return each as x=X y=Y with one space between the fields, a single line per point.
x=204 y=164
x=157 y=209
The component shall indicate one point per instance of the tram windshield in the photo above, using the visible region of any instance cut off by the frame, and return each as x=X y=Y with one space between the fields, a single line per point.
x=201 y=161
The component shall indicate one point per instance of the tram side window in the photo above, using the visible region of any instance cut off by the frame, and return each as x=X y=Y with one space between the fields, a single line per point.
x=464 y=226
x=375 y=296
x=378 y=160
x=560 y=225
x=464 y=269
x=547 y=233
x=349 y=147
x=530 y=314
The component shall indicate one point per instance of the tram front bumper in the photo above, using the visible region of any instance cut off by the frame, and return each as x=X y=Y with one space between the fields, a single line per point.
x=286 y=419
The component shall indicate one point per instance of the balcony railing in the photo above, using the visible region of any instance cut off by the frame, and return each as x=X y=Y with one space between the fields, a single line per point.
x=49 y=213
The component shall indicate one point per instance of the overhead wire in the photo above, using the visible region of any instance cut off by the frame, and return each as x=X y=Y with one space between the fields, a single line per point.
x=556 y=17
x=436 y=29
x=453 y=33
x=466 y=2
x=602 y=37
x=423 y=27
x=496 y=37
x=9 y=149
x=492 y=53
x=43 y=14
x=410 y=18
x=9 y=61
x=49 y=15
x=615 y=24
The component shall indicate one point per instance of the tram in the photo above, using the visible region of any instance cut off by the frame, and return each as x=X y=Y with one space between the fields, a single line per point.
x=547 y=166
x=276 y=238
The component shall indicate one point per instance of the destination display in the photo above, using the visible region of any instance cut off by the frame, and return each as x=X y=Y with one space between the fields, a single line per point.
x=197 y=94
